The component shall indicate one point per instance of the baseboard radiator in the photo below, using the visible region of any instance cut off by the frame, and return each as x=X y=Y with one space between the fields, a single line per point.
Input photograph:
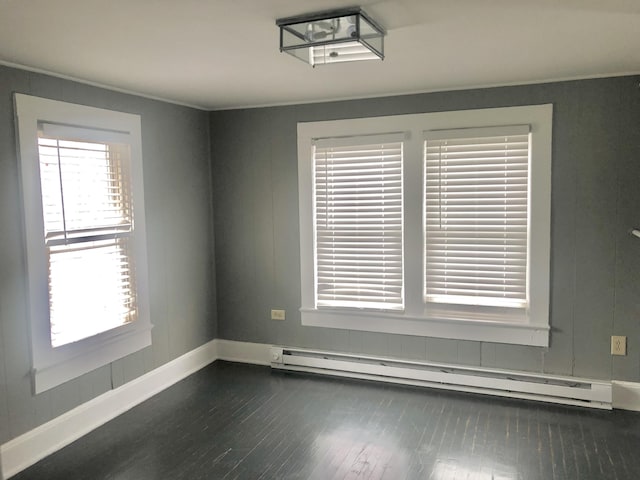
x=504 y=383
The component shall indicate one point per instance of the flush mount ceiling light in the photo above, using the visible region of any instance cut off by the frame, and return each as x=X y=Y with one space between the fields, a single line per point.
x=334 y=36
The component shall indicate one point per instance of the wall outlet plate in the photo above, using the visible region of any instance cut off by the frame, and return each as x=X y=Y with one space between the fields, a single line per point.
x=618 y=345
x=277 y=315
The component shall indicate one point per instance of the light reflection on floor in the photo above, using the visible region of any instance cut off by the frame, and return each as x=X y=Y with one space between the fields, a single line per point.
x=452 y=469
x=360 y=453
x=364 y=453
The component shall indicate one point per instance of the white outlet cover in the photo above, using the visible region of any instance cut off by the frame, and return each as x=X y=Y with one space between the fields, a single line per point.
x=618 y=345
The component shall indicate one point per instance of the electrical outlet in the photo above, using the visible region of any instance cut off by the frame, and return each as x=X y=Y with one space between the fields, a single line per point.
x=618 y=345
x=277 y=314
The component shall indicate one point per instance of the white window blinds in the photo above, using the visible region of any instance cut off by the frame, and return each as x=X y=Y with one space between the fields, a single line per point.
x=88 y=223
x=476 y=216
x=358 y=222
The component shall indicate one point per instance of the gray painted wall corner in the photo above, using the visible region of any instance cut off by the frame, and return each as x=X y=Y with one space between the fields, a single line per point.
x=175 y=142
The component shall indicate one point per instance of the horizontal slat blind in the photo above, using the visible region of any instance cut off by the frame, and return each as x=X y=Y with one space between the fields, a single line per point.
x=358 y=225
x=476 y=216
x=82 y=188
x=87 y=210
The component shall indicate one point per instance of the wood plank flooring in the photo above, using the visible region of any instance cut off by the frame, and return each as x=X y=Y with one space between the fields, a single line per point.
x=232 y=421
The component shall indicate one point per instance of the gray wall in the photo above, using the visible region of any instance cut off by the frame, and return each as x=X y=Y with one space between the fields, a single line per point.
x=596 y=200
x=175 y=144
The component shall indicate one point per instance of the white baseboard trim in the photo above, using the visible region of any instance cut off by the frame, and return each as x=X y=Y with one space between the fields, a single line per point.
x=626 y=395
x=27 y=449
x=244 y=352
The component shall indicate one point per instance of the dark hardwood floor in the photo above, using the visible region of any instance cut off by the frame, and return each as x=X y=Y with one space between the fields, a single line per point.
x=232 y=421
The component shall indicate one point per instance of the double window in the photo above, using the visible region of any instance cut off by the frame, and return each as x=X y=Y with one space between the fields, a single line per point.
x=432 y=224
x=81 y=174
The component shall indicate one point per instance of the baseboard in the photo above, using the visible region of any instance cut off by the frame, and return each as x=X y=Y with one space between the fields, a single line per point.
x=626 y=395
x=27 y=449
x=244 y=352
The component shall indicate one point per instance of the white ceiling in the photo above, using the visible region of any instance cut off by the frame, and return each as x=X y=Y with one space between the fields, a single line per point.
x=218 y=54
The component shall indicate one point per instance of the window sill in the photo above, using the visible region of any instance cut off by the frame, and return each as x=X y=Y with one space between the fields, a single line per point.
x=516 y=333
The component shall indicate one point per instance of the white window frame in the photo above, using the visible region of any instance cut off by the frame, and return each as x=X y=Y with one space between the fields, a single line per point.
x=54 y=366
x=420 y=318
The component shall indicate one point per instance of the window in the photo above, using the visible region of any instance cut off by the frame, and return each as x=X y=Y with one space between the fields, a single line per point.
x=358 y=223
x=84 y=221
x=440 y=230
x=475 y=225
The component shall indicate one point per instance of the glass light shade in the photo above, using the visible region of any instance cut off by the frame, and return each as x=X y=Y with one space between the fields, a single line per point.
x=331 y=37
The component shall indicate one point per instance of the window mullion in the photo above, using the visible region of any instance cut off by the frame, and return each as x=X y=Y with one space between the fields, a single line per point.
x=412 y=224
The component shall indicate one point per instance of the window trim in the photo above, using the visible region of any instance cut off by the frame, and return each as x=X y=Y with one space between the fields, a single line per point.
x=419 y=318
x=52 y=367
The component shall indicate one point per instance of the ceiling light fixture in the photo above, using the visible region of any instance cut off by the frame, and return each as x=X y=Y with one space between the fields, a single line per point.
x=334 y=36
